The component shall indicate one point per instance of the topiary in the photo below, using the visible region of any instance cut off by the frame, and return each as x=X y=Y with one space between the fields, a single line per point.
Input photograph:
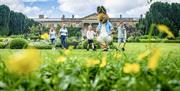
x=18 y=44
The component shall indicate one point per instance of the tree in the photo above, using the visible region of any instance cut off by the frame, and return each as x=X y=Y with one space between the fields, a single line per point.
x=161 y=13
x=4 y=19
x=14 y=23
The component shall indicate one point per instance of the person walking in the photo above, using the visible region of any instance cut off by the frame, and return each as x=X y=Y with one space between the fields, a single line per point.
x=63 y=36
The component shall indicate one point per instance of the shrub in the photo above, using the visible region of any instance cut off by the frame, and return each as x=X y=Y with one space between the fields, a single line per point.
x=73 y=41
x=17 y=36
x=40 y=45
x=2 y=45
x=18 y=44
x=159 y=41
x=1 y=39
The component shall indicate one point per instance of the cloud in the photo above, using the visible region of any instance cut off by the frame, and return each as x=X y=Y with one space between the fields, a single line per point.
x=128 y=8
x=80 y=7
x=30 y=11
x=35 y=0
x=18 y=6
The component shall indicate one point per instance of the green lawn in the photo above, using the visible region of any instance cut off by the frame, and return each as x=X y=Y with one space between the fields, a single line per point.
x=74 y=75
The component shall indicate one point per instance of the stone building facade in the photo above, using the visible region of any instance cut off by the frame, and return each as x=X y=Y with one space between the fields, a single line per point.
x=82 y=22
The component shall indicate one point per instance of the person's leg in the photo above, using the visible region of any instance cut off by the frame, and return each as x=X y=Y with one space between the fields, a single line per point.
x=62 y=42
x=124 y=43
x=88 y=45
x=93 y=45
x=51 y=41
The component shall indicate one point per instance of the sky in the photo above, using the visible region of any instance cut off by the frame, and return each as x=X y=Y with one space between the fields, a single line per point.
x=79 y=8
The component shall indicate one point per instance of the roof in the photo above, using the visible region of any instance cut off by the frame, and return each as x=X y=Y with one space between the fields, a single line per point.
x=88 y=17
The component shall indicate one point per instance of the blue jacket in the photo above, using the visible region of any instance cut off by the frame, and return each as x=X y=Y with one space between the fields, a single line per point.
x=108 y=27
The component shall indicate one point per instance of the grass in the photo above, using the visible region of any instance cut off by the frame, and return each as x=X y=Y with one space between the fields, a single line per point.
x=73 y=75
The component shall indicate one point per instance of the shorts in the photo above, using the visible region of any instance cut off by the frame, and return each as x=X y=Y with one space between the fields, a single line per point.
x=90 y=41
x=104 y=39
x=121 y=40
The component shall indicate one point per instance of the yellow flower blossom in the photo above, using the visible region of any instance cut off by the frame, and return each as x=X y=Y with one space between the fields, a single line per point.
x=45 y=36
x=143 y=55
x=103 y=62
x=61 y=59
x=92 y=62
x=117 y=55
x=67 y=52
x=131 y=68
x=153 y=61
x=165 y=29
x=24 y=62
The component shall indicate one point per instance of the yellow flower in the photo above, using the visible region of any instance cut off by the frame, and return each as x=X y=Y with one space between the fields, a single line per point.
x=24 y=62
x=103 y=62
x=143 y=55
x=117 y=55
x=71 y=47
x=67 y=52
x=61 y=59
x=131 y=68
x=165 y=29
x=92 y=62
x=45 y=36
x=153 y=62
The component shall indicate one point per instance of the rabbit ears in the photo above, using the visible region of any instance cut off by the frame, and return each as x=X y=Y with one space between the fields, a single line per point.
x=101 y=9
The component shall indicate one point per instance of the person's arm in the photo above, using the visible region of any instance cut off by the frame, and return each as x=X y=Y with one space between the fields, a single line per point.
x=59 y=34
x=125 y=34
x=98 y=28
x=111 y=28
x=66 y=32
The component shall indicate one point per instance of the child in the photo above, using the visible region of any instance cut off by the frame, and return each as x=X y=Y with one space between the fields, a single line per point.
x=90 y=34
x=122 y=36
x=52 y=35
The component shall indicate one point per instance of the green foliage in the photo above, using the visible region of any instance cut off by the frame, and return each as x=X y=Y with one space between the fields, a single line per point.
x=161 y=13
x=18 y=44
x=2 y=45
x=4 y=19
x=73 y=75
x=74 y=31
x=40 y=45
x=13 y=23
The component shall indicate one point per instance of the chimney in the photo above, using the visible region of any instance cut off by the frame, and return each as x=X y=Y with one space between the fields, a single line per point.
x=63 y=16
x=72 y=16
x=120 y=16
x=141 y=16
x=41 y=16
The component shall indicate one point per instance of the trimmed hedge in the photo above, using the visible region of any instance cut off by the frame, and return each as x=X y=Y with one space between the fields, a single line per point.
x=2 y=45
x=18 y=44
x=156 y=41
x=40 y=45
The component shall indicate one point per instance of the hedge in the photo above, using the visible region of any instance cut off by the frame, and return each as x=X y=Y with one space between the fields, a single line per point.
x=18 y=44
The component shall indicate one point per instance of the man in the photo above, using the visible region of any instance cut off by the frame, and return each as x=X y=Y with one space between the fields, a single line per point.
x=63 y=35
x=122 y=36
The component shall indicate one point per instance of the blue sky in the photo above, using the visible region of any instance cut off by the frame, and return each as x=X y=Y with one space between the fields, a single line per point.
x=79 y=8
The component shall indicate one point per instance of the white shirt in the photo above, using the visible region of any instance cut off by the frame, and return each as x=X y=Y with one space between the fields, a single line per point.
x=63 y=31
x=90 y=34
x=52 y=35
x=103 y=31
x=121 y=32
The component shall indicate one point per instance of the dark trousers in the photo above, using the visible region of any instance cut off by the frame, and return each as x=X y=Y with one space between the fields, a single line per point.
x=52 y=41
x=63 y=41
